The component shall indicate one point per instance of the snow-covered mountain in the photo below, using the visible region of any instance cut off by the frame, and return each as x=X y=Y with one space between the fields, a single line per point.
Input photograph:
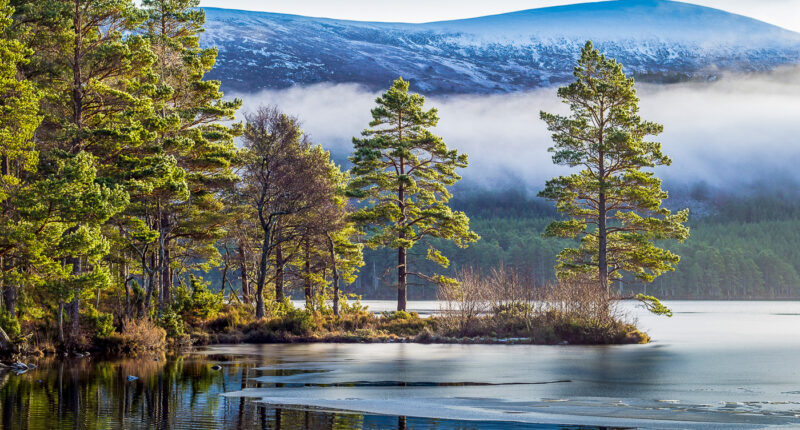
x=656 y=40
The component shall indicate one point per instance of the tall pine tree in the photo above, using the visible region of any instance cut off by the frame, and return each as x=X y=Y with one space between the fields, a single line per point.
x=401 y=173
x=18 y=158
x=613 y=204
x=193 y=112
x=95 y=109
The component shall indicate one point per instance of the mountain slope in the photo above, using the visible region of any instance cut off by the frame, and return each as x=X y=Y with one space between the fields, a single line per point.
x=657 y=40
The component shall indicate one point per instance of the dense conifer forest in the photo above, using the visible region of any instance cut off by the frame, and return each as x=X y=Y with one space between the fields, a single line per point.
x=743 y=245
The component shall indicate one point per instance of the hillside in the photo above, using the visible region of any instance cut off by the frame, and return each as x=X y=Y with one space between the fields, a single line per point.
x=657 y=40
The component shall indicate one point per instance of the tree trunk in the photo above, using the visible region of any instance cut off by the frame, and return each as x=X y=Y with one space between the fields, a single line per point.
x=601 y=222
x=166 y=276
x=335 y=277
x=9 y=291
x=224 y=276
x=401 y=252
x=401 y=279
x=77 y=83
x=5 y=341
x=146 y=283
x=164 y=259
x=75 y=315
x=279 y=265
x=243 y=268
x=602 y=239
x=10 y=299
x=75 y=304
x=61 y=321
x=307 y=282
x=155 y=277
x=374 y=277
x=262 y=275
x=123 y=275
x=147 y=279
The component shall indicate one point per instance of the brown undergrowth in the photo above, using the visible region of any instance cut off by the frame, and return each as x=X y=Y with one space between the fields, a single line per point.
x=501 y=307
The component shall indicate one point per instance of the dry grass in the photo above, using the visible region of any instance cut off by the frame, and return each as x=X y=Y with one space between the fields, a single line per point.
x=137 y=335
x=506 y=303
x=501 y=306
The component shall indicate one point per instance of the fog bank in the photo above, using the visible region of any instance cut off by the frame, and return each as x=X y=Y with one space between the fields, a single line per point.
x=732 y=132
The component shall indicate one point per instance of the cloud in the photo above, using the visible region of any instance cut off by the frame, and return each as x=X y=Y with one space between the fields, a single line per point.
x=735 y=131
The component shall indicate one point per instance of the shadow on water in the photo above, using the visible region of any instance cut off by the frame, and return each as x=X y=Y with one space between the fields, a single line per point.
x=177 y=392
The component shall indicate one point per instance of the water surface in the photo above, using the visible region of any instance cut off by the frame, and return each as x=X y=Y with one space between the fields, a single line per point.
x=714 y=365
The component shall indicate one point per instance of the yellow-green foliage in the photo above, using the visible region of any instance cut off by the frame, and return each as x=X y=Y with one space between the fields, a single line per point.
x=295 y=321
x=172 y=323
x=350 y=319
x=197 y=301
x=402 y=323
x=103 y=322
x=9 y=324
x=230 y=318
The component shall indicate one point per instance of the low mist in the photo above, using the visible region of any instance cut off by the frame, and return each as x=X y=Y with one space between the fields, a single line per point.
x=736 y=131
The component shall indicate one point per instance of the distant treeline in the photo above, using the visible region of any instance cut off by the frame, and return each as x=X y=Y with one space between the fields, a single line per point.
x=742 y=246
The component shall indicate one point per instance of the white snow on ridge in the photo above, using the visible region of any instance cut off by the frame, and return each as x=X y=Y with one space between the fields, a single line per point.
x=664 y=40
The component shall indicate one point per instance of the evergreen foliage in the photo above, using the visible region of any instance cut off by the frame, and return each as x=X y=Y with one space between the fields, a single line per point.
x=613 y=204
x=401 y=172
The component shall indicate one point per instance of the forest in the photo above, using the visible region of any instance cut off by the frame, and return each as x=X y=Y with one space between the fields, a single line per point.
x=742 y=244
x=140 y=206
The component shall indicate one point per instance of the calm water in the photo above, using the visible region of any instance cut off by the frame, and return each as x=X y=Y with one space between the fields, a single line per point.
x=714 y=365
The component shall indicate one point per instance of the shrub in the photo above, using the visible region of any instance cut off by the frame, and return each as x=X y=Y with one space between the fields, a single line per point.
x=403 y=323
x=511 y=319
x=463 y=303
x=353 y=319
x=229 y=318
x=137 y=335
x=509 y=304
x=144 y=333
x=205 y=304
x=196 y=300
x=172 y=323
x=351 y=304
x=296 y=321
x=398 y=315
x=103 y=324
x=425 y=336
x=10 y=324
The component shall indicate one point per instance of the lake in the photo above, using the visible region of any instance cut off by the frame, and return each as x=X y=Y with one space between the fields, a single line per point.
x=713 y=365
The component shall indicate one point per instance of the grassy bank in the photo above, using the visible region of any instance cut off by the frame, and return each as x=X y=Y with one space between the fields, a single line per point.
x=513 y=322
x=506 y=324
x=502 y=307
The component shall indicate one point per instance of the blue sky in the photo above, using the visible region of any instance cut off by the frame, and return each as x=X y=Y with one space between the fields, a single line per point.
x=785 y=13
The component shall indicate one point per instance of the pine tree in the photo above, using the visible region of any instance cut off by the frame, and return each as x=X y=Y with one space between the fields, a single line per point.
x=613 y=204
x=401 y=172
x=18 y=158
x=69 y=207
x=193 y=114
x=96 y=108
